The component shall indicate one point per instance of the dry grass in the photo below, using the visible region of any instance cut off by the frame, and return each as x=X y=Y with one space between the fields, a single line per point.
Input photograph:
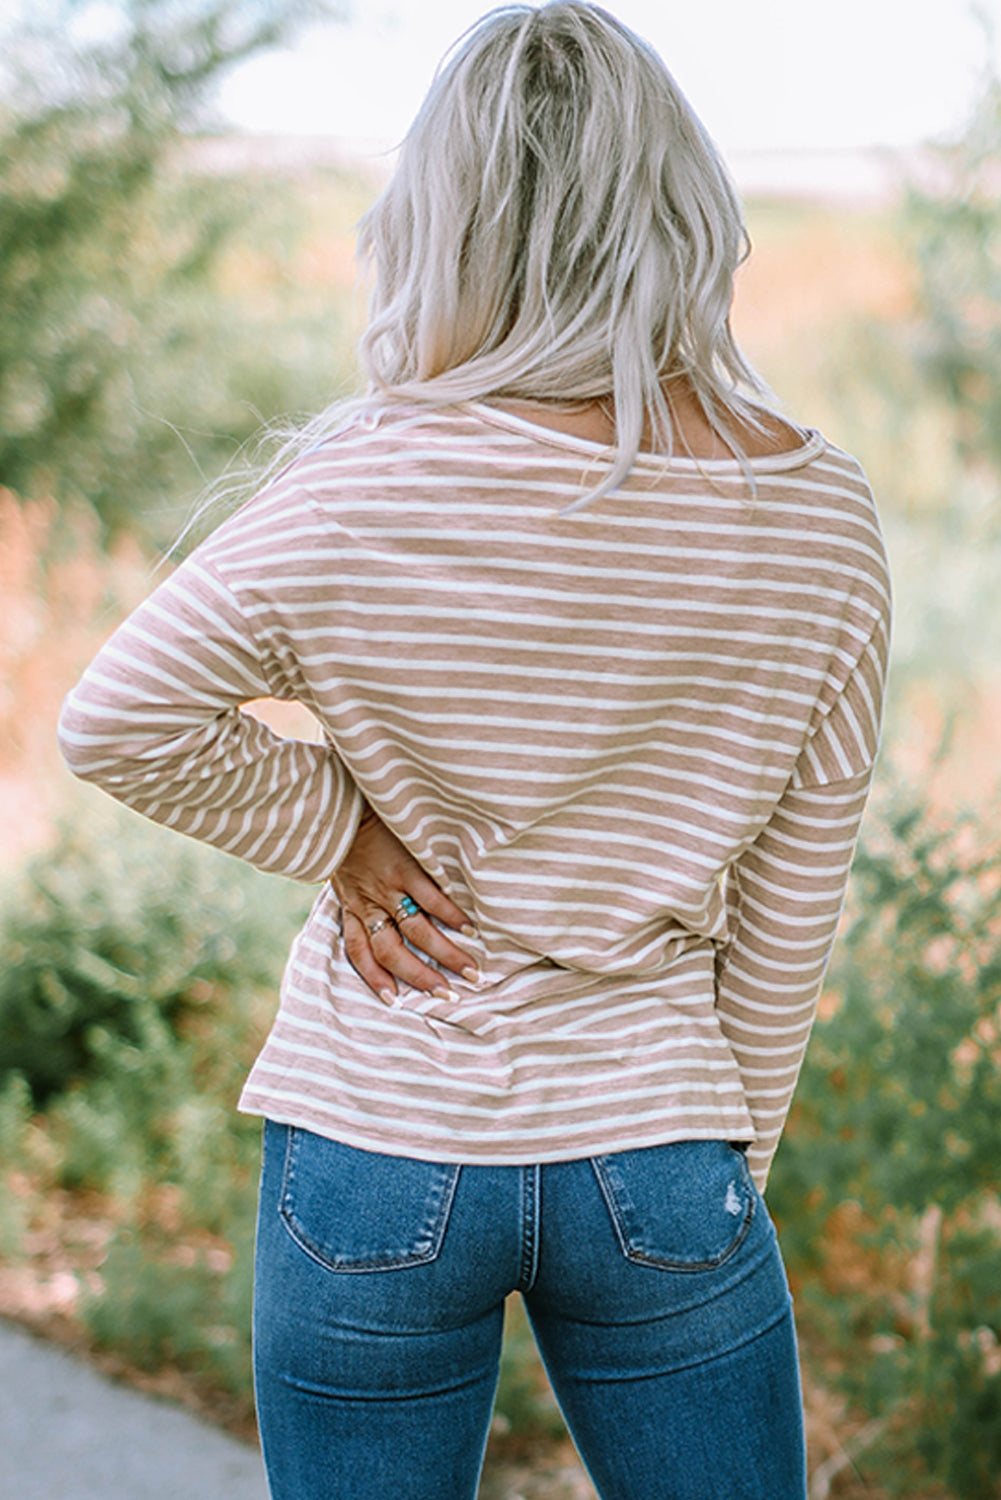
x=60 y=596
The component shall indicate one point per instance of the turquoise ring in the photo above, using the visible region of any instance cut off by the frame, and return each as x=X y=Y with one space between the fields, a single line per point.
x=407 y=908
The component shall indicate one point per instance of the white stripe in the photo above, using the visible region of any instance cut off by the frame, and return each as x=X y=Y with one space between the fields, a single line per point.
x=576 y=722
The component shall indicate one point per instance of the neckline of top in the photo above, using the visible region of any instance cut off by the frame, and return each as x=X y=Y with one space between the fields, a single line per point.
x=768 y=463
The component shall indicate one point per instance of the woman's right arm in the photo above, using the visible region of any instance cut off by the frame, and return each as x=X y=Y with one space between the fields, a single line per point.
x=156 y=723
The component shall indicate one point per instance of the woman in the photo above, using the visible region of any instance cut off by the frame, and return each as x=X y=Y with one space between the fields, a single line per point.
x=597 y=644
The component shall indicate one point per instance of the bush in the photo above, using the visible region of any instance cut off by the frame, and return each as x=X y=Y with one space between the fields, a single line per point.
x=142 y=973
x=122 y=934
x=192 y=1311
x=888 y=1183
x=125 y=371
x=956 y=231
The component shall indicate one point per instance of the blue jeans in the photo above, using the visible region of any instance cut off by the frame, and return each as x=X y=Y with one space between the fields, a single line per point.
x=652 y=1280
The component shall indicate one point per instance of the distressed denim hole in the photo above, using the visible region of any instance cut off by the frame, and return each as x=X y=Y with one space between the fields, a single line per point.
x=686 y=1206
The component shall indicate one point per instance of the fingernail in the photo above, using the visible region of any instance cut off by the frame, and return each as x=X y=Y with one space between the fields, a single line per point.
x=387 y=995
x=467 y=929
x=471 y=974
x=442 y=994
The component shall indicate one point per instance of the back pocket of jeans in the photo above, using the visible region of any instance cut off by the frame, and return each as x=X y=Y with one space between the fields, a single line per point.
x=686 y=1206
x=355 y=1210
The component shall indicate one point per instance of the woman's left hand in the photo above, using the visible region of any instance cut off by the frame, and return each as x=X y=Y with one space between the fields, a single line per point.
x=386 y=896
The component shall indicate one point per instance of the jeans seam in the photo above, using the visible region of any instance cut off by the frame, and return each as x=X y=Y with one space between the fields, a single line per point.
x=612 y=1207
x=530 y=1199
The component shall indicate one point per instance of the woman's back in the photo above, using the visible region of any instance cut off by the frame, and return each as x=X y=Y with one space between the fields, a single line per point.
x=579 y=724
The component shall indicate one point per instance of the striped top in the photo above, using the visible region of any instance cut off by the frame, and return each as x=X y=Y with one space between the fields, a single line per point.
x=633 y=742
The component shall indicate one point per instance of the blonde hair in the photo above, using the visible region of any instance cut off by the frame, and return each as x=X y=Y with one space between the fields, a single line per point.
x=559 y=227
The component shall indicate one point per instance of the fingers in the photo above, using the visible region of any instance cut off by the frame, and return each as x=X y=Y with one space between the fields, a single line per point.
x=423 y=934
x=408 y=967
x=433 y=899
x=361 y=956
x=378 y=864
x=375 y=946
x=395 y=958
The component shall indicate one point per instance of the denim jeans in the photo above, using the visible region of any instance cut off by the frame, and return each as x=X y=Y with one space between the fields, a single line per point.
x=654 y=1286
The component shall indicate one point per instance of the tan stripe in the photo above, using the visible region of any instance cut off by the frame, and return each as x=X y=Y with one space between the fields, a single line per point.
x=634 y=743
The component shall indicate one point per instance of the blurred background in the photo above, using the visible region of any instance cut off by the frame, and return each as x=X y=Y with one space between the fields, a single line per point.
x=179 y=180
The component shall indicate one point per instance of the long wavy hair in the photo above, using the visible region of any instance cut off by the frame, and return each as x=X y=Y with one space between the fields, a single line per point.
x=559 y=229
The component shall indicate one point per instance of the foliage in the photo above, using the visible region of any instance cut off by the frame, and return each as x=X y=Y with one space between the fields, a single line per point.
x=955 y=228
x=915 y=388
x=912 y=1054
x=156 y=1309
x=141 y=977
x=123 y=370
x=141 y=973
x=525 y=1404
x=114 y=935
x=889 y=1183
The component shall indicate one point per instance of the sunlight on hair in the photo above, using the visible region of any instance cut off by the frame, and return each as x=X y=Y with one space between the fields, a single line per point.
x=560 y=229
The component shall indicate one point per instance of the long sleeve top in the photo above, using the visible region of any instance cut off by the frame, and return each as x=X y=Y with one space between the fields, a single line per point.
x=633 y=742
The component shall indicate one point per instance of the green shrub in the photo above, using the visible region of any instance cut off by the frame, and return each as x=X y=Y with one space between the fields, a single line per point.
x=126 y=372
x=120 y=932
x=142 y=972
x=888 y=1184
x=15 y=1116
x=158 y=1309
